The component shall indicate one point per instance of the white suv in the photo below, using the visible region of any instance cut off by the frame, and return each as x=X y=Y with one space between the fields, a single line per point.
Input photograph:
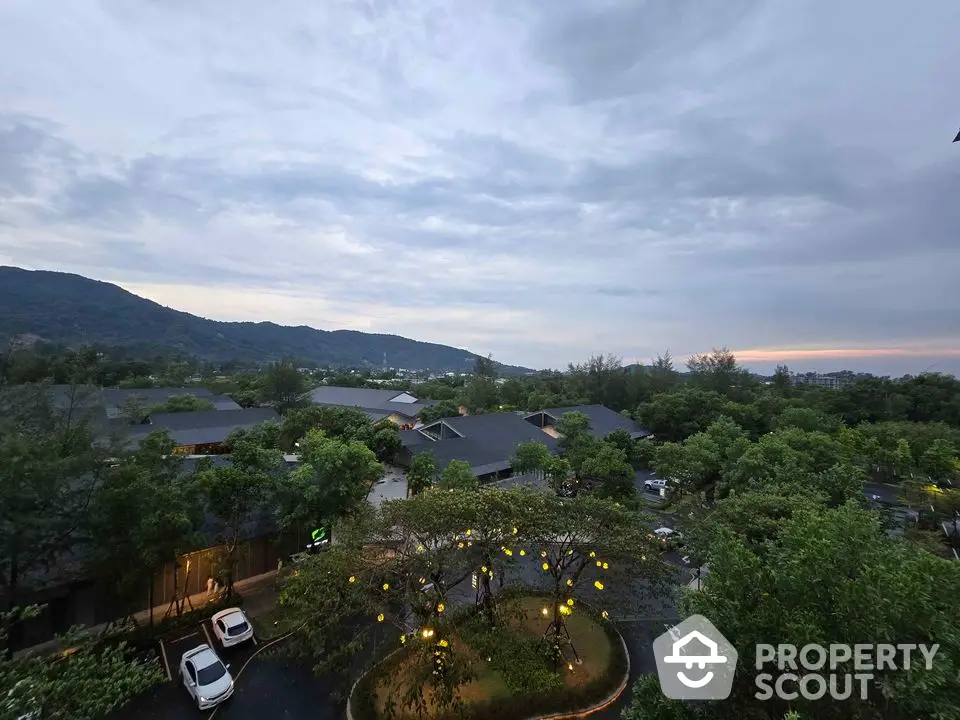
x=654 y=484
x=231 y=627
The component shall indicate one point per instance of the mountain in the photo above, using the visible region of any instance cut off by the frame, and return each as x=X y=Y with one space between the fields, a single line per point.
x=69 y=309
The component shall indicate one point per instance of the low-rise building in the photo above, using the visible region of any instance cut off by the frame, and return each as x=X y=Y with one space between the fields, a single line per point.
x=485 y=442
x=400 y=408
x=603 y=420
x=202 y=433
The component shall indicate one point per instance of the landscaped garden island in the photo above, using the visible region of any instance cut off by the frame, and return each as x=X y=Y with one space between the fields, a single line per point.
x=491 y=604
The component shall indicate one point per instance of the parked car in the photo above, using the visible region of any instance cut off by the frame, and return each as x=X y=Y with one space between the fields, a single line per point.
x=654 y=484
x=231 y=627
x=668 y=537
x=205 y=677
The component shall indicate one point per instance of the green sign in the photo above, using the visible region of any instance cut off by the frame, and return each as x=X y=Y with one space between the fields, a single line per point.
x=318 y=534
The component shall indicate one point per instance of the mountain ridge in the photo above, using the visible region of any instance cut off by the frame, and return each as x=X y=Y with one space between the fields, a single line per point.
x=71 y=309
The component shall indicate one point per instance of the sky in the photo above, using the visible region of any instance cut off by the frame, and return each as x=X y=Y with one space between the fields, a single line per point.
x=539 y=181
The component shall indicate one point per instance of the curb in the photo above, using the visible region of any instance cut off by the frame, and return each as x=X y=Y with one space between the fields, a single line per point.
x=605 y=703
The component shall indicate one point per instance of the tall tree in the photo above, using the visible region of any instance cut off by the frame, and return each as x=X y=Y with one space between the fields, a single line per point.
x=142 y=517
x=50 y=466
x=283 y=385
x=443 y=409
x=457 y=476
x=530 y=457
x=610 y=473
x=334 y=479
x=422 y=473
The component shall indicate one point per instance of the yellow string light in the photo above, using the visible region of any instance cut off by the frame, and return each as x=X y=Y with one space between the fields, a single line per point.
x=484 y=569
x=423 y=580
x=598 y=585
x=546 y=566
x=544 y=612
x=570 y=602
x=599 y=564
x=386 y=586
x=508 y=552
x=419 y=548
x=543 y=553
x=469 y=531
x=569 y=582
x=604 y=614
x=606 y=566
x=428 y=632
x=380 y=617
x=441 y=607
x=564 y=610
x=460 y=545
x=514 y=531
x=353 y=578
x=523 y=552
x=593 y=554
x=444 y=643
x=403 y=639
x=569 y=552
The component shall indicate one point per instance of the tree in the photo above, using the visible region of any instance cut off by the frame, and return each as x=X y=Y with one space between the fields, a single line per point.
x=782 y=383
x=481 y=394
x=91 y=682
x=530 y=457
x=663 y=376
x=675 y=415
x=385 y=443
x=572 y=426
x=443 y=409
x=143 y=515
x=457 y=475
x=557 y=471
x=233 y=495
x=621 y=439
x=805 y=418
x=422 y=473
x=609 y=470
x=333 y=480
x=718 y=371
x=903 y=463
x=939 y=460
x=586 y=543
x=51 y=463
x=867 y=590
x=183 y=403
x=283 y=385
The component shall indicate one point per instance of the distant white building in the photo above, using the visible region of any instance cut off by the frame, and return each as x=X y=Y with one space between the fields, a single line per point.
x=827 y=381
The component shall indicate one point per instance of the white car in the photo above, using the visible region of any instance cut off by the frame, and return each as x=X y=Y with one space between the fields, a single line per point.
x=205 y=677
x=654 y=484
x=231 y=627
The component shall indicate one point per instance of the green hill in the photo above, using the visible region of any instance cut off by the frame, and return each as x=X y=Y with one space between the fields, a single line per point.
x=69 y=309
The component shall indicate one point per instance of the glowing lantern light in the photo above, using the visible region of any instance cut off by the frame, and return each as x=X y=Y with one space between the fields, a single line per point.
x=569 y=582
x=460 y=545
x=593 y=554
x=523 y=552
x=606 y=566
x=403 y=639
x=604 y=614
x=546 y=566
x=441 y=607
x=428 y=632
x=598 y=585
x=570 y=602
x=514 y=531
x=544 y=612
x=353 y=578
x=469 y=531
x=423 y=580
x=419 y=548
x=599 y=564
x=380 y=617
x=444 y=643
x=386 y=586
x=543 y=553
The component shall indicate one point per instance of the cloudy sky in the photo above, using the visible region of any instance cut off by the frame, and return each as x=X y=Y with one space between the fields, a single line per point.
x=537 y=180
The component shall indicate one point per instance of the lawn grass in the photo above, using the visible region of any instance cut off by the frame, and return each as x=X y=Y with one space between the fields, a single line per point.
x=506 y=659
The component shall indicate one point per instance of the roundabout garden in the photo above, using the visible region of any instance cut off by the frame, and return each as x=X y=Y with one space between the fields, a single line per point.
x=489 y=604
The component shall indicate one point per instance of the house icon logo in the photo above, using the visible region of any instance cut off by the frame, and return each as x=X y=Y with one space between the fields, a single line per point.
x=695 y=661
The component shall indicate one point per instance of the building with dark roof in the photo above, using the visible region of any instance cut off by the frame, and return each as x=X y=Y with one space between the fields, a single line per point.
x=400 y=408
x=603 y=420
x=485 y=442
x=202 y=433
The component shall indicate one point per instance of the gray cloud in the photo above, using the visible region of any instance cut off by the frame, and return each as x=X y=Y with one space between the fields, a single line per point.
x=656 y=174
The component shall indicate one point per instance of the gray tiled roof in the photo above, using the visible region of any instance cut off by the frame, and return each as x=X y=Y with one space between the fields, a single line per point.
x=603 y=420
x=376 y=403
x=209 y=426
x=488 y=441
